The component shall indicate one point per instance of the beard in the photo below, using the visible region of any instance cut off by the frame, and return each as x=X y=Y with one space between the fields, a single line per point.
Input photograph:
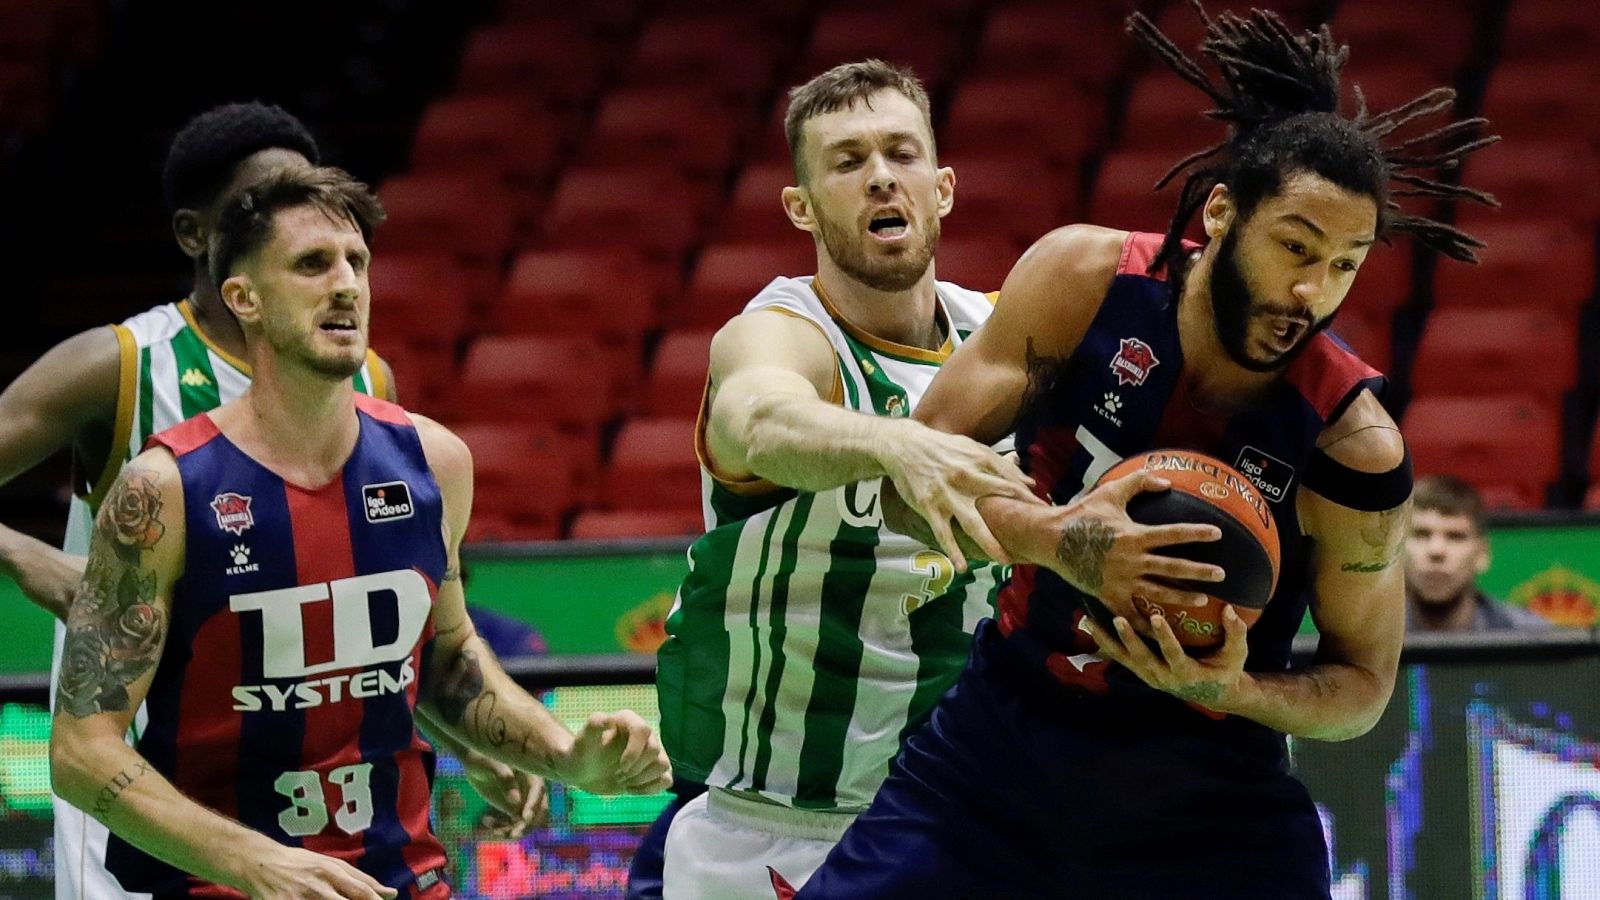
x=334 y=365
x=1234 y=308
x=898 y=272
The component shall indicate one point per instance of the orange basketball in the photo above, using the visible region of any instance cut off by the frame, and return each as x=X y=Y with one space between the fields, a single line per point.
x=1206 y=490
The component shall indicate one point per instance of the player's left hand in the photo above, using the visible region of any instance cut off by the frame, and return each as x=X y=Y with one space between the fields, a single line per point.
x=1212 y=681
x=520 y=797
x=617 y=753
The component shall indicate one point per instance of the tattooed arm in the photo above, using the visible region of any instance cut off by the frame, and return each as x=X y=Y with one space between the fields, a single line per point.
x=1045 y=308
x=1357 y=603
x=1358 y=598
x=116 y=631
x=467 y=693
x=774 y=416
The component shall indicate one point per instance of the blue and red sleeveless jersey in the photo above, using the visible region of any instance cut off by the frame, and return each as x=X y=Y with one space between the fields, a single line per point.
x=299 y=633
x=1120 y=394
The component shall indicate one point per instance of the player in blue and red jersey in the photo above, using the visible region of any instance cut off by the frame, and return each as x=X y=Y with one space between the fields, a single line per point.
x=279 y=580
x=1073 y=759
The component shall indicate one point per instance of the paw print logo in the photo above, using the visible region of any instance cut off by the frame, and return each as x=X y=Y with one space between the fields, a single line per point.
x=1112 y=402
x=241 y=554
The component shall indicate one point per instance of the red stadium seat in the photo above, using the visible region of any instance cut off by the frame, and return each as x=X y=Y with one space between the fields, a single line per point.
x=564 y=62
x=653 y=210
x=732 y=56
x=1465 y=351
x=1022 y=116
x=509 y=134
x=653 y=466
x=694 y=131
x=1016 y=198
x=1526 y=100
x=1084 y=44
x=1165 y=115
x=610 y=295
x=976 y=263
x=1591 y=500
x=1439 y=35
x=569 y=381
x=1550 y=30
x=526 y=474
x=771 y=143
x=676 y=35
x=1535 y=179
x=1494 y=440
x=622 y=524
x=465 y=214
x=1386 y=84
x=499 y=529
x=755 y=211
x=678 y=374
x=419 y=299
x=579 y=454
x=1543 y=264
x=1125 y=195
x=921 y=43
x=729 y=275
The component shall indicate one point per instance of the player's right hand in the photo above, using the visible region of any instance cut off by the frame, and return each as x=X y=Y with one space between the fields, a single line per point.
x=941 y=477
x=616 y=753
x=1104 y=553
x=290 y=873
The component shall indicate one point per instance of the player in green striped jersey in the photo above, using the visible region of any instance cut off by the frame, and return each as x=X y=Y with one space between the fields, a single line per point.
x=807 y=639
x=102 y=393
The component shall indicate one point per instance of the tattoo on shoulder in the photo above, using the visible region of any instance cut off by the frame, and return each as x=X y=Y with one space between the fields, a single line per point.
x=1042 y=372
x=1082 y=549
x=1383 y=536
x=114 y=630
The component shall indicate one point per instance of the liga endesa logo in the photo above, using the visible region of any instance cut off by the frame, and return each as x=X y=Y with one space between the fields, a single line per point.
x=387 y=502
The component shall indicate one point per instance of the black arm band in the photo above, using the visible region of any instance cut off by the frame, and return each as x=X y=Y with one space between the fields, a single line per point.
x=1366 y=491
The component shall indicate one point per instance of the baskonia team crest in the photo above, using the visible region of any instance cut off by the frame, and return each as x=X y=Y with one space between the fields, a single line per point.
x=233 y=512
x=1133 y=362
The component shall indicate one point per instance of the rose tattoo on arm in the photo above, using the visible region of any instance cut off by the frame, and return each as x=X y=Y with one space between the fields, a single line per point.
x=114 y=632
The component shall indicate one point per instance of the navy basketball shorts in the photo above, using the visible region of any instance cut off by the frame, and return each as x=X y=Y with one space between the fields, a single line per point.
x=1019 y=787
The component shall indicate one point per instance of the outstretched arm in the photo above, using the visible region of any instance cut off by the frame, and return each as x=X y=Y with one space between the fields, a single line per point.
x=71 y=389
x=467 y=693
x=116 y=632
x=773 y=415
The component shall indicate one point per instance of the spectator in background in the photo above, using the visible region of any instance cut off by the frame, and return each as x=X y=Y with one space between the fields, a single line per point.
x=1445 y=554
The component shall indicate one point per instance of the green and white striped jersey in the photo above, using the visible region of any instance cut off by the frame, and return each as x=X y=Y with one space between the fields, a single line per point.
x=170 y=372
x=807 y=639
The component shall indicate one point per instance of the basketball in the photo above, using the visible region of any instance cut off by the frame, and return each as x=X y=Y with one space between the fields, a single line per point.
x=1206 y=490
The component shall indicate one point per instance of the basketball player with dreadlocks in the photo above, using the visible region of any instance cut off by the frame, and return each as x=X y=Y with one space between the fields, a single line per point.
x=1073 y=759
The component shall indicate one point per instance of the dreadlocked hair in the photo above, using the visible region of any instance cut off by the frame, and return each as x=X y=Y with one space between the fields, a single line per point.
x=1279 y=95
